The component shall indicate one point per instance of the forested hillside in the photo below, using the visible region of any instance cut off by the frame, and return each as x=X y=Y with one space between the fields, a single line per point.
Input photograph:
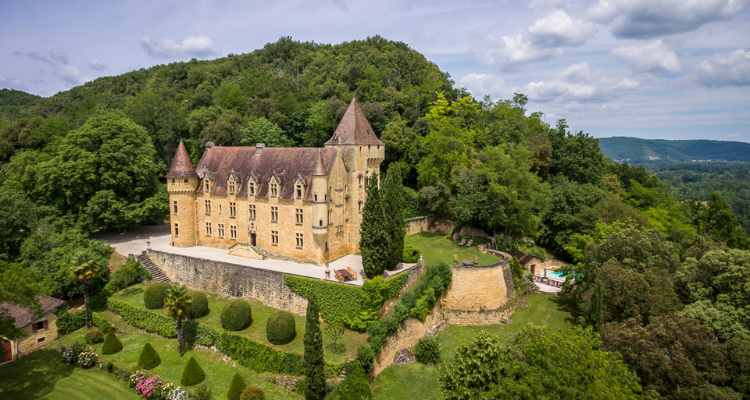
x=645 y=151
x=643 y=261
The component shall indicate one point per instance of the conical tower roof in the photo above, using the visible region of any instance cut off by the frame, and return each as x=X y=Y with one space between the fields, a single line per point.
x=181 y=167
x=319 y=169
x=354 y=128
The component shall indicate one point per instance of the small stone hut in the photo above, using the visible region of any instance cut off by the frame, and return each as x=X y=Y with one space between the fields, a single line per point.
x=36 y=330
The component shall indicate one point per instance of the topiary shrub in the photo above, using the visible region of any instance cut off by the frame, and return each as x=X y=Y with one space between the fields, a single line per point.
x=154 y=295
x=281 y=328
x=199 y=306
x=366 y=357
x=149 y=358
x=94 y=336
x=411 y=254
x=192 y=374
x=111 y=344
x=236 y=387
x=236 y=315
x=253 y=393
x=427 y=351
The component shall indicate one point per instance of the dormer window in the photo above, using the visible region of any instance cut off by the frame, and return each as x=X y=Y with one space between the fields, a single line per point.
x=251 y=188
x=274 y=189
x=298 y=191
x=231 y=187
x=206 y=186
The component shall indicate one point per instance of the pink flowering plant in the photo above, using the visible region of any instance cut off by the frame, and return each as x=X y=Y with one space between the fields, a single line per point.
x=149 y=385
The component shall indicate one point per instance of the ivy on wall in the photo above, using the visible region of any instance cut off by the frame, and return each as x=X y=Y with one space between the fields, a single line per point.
x=354 y=306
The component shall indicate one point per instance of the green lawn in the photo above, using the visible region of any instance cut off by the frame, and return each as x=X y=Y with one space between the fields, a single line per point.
x=416 y=381
x=436 y=248
x=43 y=375
x=218 y=373
x=257 y=331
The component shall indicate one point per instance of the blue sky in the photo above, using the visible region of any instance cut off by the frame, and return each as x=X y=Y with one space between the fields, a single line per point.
x=671 y=69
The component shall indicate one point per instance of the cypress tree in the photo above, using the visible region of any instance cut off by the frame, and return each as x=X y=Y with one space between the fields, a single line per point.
x=315 y=381
x=596 y=314
x=374 y=242
x=393 y=203
x=236 y=387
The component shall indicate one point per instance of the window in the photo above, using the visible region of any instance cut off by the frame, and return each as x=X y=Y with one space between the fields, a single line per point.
x=360 y=206
x=208 y=207
x=300 y=240
x=219 y=208
x=208 y=229
x=330 y=217
x=251 y=188
x=360 y=181
x=174 y=203
x=176 y=230
x=274 y=238
x=38 y=326
x=185 y=180
x=173 y=181
x=274 y=214
x=231 y=186
x=40 y=340
x=298 y=190
x=221 y=230
x=233 y=232
x=232 y=210
x=274 y=189
x=251 y=212
x=206 y=186
x=299 y=216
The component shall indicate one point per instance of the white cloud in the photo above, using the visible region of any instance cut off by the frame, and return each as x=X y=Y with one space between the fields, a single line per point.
x=13 y=83
x=39 y=56
x=513 y=51
x=59 y=55
x=653 y=18
x=72 y=75
x=196 y=46
x=577 y=84
x=730 y=69
x=341 y=5
x=97 y=64
x=483 y=84
x=649 y=57
x=559 y=29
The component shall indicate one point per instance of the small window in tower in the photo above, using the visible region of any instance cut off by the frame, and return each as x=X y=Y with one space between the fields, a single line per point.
x=321 y=222
x=378 y=147
x=219 y=208
x=176 y=230
x=174 y=203
x=185 y=180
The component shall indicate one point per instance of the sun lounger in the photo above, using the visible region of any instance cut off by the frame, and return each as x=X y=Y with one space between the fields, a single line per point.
x=463 y=242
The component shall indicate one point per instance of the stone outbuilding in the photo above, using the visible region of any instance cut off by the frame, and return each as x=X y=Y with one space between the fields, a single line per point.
x=36 y=331
x=529 y=261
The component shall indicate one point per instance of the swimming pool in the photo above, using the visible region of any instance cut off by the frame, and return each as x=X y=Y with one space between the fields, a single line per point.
x=554 y=274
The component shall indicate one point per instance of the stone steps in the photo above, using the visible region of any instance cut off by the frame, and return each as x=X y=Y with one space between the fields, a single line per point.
x=156 y=274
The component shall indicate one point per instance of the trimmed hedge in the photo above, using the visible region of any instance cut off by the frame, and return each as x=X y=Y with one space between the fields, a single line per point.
x=246 y=351
x=253 y=393
x=193 y=374
x=154 y=295
x=281 y=328
x=236 y=387
x=353 y=305
x=111 y=344
x=149 y=358
x=236 y=315
x=199 y=305
x=70 y=322
x=94 y=336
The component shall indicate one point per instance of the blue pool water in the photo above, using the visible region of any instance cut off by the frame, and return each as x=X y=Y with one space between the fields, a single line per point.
x=555 y=274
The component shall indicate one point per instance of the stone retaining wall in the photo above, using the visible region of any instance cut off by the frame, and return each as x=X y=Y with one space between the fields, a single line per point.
x=481 y=317
x=476 y=288
x=230 y=279
x=435 y=225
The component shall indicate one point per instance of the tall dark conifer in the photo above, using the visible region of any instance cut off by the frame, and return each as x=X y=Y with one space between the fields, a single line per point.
x=315 y=381
x=392 y=200
x=374 y=242
x=596 y=313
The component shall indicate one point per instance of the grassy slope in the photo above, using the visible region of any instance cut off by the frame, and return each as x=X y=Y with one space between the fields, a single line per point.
x=218 y=373
x=257 y=331
x=435 y=248
x=43 y=375
x=416 y=381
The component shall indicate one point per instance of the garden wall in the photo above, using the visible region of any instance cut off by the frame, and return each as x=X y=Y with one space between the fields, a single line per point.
x=435 y=225
x=230 y=279
x=478 y=289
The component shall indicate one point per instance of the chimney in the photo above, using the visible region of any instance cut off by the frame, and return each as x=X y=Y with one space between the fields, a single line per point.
x=209 y=145
x=258 y=147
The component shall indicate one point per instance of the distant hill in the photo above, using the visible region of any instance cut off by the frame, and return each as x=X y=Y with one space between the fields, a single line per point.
x=646 y=151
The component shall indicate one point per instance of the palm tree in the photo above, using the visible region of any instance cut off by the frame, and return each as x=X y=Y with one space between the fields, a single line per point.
x=85 y=269
x=178 y=304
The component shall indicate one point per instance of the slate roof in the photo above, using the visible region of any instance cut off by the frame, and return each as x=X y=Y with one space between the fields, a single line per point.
x=181 y=166
x=521 y=256
x=24 y=316
x=354 y=128
x=285 y=163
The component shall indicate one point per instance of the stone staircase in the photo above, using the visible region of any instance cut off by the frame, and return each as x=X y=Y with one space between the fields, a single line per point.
x=246 y=250
x=156 y=274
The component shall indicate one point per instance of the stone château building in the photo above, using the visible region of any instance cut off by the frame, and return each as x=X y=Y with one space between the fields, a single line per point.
x=295 y=203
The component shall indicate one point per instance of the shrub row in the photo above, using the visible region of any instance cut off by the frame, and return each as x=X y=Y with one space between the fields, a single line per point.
x=353 y=305
x=69 y=322
x=417 y=301
x=246 y=351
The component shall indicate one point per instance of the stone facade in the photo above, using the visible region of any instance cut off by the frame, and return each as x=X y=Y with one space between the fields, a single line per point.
x=303 y=204
x=230 y=279
x=478 y=318
x=30 y=341
x=479 y=288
